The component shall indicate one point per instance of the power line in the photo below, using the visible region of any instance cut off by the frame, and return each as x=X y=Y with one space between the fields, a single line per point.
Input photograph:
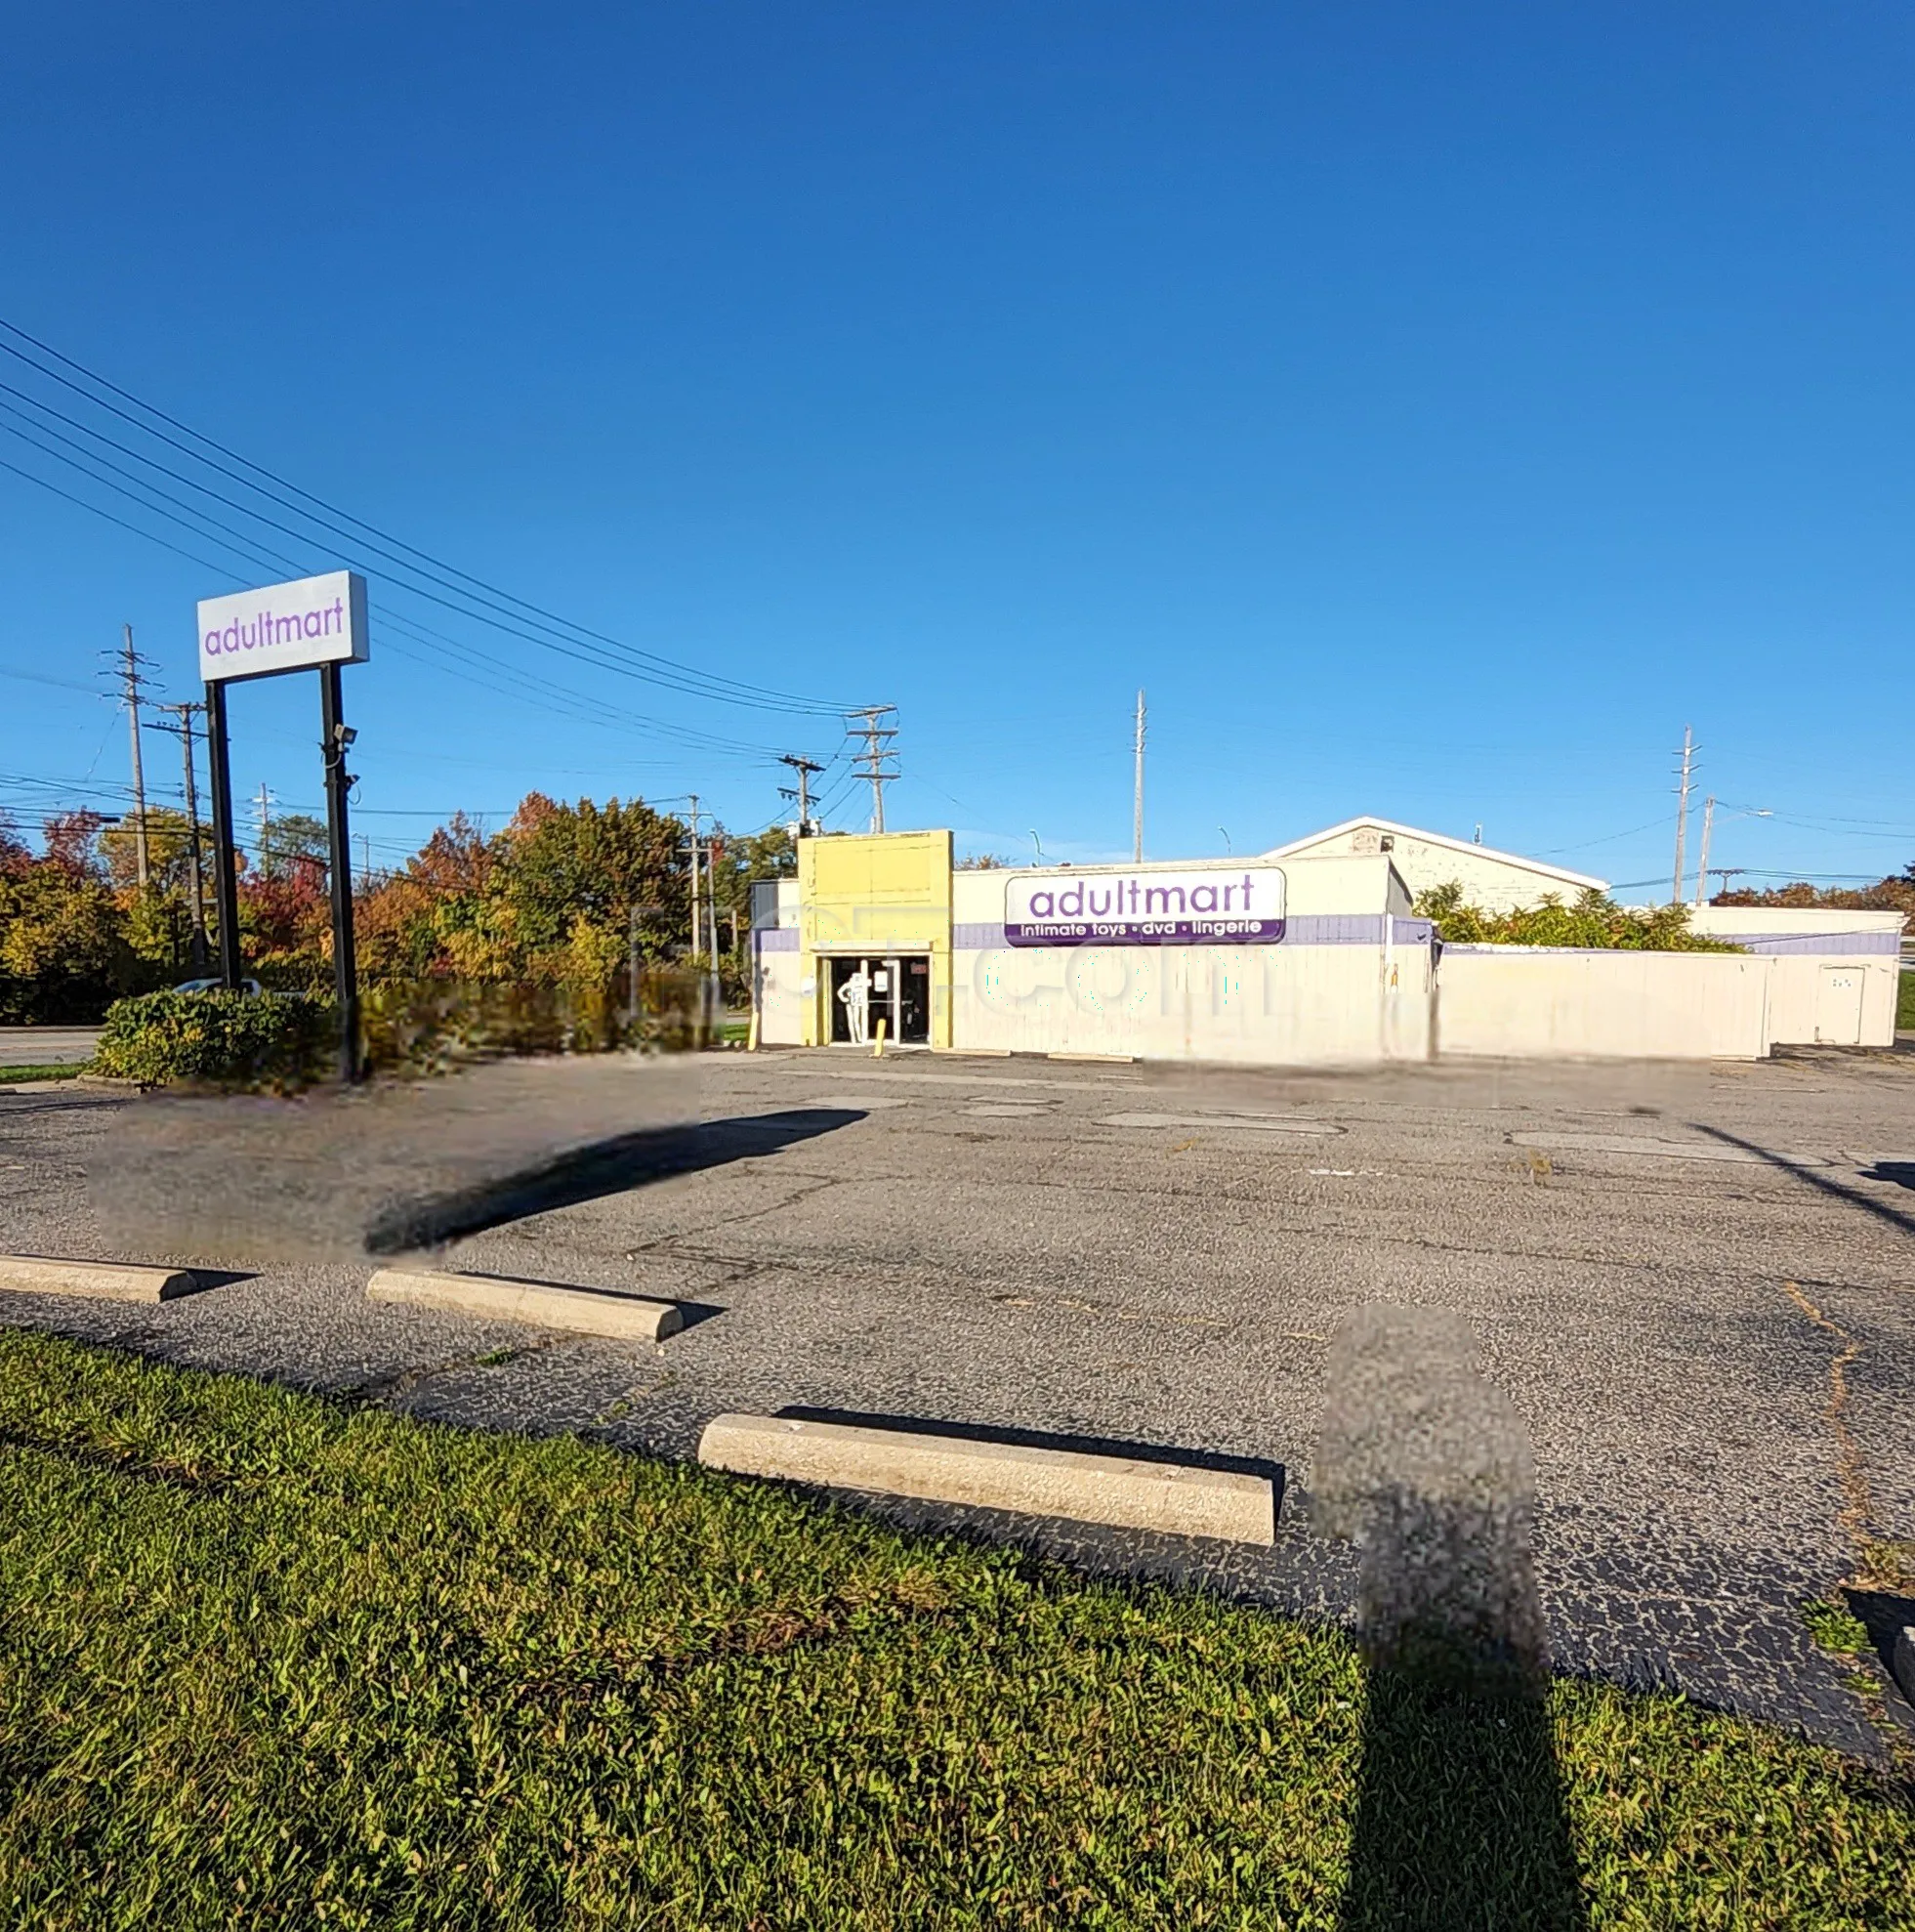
x=663 y=670
x=575 y=707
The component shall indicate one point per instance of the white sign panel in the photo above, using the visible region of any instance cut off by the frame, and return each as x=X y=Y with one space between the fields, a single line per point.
x=1202 y=906
x=284 y=627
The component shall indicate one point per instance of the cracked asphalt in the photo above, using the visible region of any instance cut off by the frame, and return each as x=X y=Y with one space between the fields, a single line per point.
x=1639 y=1251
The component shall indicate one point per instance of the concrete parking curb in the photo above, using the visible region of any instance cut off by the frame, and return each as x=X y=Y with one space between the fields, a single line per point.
x=1119 y=1490
x=98 y=1280
x=583 y=1311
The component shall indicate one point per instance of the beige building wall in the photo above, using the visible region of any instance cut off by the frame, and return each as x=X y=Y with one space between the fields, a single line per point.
x=1496 y=881
x=1518 y=1002
x=1348 y=986
x=1836 y=974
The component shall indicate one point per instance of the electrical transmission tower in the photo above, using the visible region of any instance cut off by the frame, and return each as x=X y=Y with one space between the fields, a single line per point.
x=1687 y=773
x=877 y=762
x=1137 y=797
x=263 y=812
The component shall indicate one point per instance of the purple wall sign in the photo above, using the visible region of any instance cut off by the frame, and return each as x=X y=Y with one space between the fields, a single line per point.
x=1196 y=905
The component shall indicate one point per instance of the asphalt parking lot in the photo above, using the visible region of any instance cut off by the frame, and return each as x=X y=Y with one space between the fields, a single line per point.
x=1664 y=1267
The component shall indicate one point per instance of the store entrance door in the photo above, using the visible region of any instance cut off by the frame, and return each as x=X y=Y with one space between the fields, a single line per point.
x=897 y=993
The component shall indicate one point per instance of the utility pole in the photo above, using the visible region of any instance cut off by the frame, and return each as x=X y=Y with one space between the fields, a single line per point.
x=714 y=851
x=805 y=771
x=873 y=758
x=184 y=733
x=130 y=677
x=1137 y=800
x=1690 y=749
x=695 y=947
x=263 y=814
x=1702 y=856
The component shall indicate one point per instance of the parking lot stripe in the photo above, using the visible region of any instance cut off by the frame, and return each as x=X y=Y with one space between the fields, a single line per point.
x=1262 y=1124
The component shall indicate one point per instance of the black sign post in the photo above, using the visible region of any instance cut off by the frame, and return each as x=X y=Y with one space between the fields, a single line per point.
x=315 y=623
x=335 y=736
x=226 y=885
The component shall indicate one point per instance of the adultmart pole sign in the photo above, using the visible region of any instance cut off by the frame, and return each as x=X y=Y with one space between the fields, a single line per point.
x=1203 y=906
x=284 y=627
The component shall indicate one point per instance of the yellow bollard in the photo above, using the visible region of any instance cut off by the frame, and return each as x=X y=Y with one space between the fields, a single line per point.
x=751 y=1032
x=878 y=1045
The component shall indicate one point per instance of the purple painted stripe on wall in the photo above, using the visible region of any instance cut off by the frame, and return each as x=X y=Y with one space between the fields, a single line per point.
x=1847 y=944
x=1309 y=929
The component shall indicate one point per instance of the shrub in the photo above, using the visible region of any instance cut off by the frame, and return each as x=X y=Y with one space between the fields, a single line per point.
x=1593 y=921
x=428 y=1026
x=229 y=1039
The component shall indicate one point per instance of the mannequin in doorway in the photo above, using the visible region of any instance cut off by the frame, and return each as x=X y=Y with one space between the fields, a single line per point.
x=856 y=992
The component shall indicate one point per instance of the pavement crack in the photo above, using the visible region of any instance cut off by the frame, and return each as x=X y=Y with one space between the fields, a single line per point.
x=1881 y=1563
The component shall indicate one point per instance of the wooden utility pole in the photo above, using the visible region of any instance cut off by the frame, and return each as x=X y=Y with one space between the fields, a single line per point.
x=184 y=730
x=1137 y=798
x=695 y=947
x=805 y=771
x=130 y=672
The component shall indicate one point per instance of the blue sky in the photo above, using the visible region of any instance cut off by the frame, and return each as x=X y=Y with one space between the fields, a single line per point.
x=1435 y=409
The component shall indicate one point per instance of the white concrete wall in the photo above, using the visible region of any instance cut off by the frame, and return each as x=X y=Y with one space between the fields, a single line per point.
x=1524 y=1002
x=1265 y=1006
x=1821 y=959
x=1331 y=993
x=1496 y=881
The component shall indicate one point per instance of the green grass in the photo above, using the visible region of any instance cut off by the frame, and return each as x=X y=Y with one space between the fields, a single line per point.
x=9 y=1075
x=1905 y=1003
x=266 y=1661
x=1835 y=1627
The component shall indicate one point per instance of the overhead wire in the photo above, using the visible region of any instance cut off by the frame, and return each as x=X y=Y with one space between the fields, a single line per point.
x=478 y=590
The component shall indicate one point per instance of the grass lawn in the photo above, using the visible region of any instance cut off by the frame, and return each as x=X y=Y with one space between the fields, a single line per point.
x=1905 y=1004
x=9 y=1075
x=267 y=1661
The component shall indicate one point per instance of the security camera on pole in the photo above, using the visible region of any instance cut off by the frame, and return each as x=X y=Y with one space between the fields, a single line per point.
x=315 y=623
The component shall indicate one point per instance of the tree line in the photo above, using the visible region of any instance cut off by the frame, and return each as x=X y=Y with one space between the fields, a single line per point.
x=559 y=896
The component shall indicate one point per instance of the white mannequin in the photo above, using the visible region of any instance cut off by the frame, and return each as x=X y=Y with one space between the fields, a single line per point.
x=856 y=992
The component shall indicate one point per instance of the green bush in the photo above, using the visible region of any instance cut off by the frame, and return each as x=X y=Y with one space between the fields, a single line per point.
x=1593 y=921
x=429 y=1026
x=228 y=1039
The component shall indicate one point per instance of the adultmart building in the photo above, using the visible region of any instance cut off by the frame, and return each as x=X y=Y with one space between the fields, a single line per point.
x=1314 y=961
x=1291 y=959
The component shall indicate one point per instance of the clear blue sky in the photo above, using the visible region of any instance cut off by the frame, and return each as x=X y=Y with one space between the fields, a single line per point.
x=1435 y=408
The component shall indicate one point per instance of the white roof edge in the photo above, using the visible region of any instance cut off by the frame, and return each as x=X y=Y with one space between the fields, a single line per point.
x=1437 y=838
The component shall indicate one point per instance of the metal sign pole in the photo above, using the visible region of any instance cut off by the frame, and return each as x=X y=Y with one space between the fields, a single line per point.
x=335 y=737
x=226 y=885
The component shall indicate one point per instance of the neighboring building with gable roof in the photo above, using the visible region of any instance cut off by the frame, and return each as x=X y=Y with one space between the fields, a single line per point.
x=1496 y=881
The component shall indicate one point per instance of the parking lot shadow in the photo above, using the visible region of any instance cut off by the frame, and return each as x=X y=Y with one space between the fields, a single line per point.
x=1427 y=1467
x=1460 y=1811
x=1898 y=1171
x=591 y=1172
x=1044 y=1438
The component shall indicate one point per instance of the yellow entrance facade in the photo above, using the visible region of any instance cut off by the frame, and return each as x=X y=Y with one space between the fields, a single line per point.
x=884 y=895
